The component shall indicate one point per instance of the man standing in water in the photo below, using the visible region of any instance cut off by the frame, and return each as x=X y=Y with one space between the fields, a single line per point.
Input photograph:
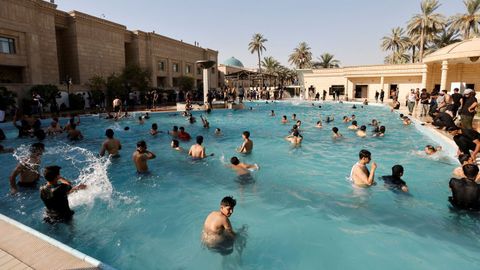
x=247 y=144
x=140 y=157
x=111 y=145
x=28 y=169
x=360 y=175
x=217 y=229
x=197 y=150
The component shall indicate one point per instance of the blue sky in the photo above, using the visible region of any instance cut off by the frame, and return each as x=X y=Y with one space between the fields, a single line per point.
x=349 y=29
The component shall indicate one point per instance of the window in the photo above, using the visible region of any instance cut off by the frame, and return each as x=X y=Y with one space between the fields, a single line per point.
x=199 y=71
x=175 y=67
x=7 y=45
x=161 y=66
x=188 y=69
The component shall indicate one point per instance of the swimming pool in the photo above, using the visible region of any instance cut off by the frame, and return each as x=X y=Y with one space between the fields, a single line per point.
x=301 y=212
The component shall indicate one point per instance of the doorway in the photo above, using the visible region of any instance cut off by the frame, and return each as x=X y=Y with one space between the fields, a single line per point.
x=361 y=91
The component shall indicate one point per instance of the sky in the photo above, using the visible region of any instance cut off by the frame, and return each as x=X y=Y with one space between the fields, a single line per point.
x=349 y=29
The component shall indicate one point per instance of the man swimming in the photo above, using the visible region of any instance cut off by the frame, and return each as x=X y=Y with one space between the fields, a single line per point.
x=319 y=124
x=335 y=133
x=111 y=145
x=28 y=169
x=360 y=175
x=141 y=156
x=272 y=113
x=294 y=116
x=217 y=230
x=176 y=145
x=73 y=133
x=354 y=125
x=54 y=128
x=430 y=149
x=380 y=132
x=205 y=122
x=240 y=167
x=406 y=121
x=295 y=138
x=395 y=180
x=174 y=132
x=154 y=130
x=141 y=121
x=218 y=132
x=247 y=145
x=284 y=119
x=362 y=132
x=197 y=150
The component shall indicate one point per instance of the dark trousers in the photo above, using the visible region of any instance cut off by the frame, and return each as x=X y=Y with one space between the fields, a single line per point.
x=464 y=143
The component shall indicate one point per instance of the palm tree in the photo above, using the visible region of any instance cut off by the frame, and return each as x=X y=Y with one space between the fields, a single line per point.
x=396 y=41
x=270 y=65
x=301 y=56
x=256 y=45
x=326 y=61
x=397 y=57
x=467 y=23
x=426 y=23
x=444 y=38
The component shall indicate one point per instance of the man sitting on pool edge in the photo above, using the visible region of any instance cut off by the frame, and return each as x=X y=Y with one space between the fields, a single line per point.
x=217 y=231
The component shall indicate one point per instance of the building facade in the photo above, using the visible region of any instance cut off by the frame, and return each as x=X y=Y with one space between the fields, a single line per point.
x=454 y=66
x=40 y=44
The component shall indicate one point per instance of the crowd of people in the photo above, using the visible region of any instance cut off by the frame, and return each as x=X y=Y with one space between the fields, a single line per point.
x=217 y=228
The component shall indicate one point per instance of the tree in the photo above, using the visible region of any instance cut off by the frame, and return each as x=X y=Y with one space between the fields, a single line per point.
x=426 y=24
x=256 y=45
x=135 y=77
x=396 y=41
x=397 y=57
x=115 y=87
x=270 y=65
x=444 y=38
x=467 y=23
x=301 y=56
x=326 y=60
x=186 y=83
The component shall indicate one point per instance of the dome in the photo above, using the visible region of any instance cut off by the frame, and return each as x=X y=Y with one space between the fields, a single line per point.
x=233 y=62
x=464 y=49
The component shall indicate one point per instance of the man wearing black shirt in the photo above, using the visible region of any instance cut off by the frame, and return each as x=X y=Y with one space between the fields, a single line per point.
x=54 y=195
x=456 y=97
x=424 y=100
x=466 y=140
x=465 y=192
x=444 y=119
x=395 y=181
x=382 y=95
x=468 y=109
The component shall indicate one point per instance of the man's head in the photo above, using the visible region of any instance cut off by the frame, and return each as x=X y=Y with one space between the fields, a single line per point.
x=141 y=145
x=182 y=129
x=430 y=149
x=296 y=133
x=154 y=126
x=363 y=128
x=246 y=134
x=175 y=128
x=354 y=122
x=465 y=159
x=397 y=171
x=468 y=92
x=335 y=130
x=109 y=133
x=175 y=143
x=424 y=90
x=470 y=171
x=234 y=161
x=51 y=173
x=365 y=156
x=199 y=139
x=456 y=90
x=454 y=130
x=226 y=206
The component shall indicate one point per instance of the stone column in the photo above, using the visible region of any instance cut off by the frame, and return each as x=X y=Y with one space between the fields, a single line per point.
x=443 y=82
x=206 y=82
x=424 y=76
x=382 y=82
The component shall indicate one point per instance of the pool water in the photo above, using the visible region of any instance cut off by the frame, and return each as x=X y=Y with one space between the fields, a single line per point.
x=301 y=212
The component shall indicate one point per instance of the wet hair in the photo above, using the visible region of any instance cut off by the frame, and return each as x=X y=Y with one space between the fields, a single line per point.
x=319 y=122
x=175 y=143
x=354 y=122
x=209 y=110
x=109 y=133
x=175 y=128
x=140 y=118
x=363 y=128
x=382 y=129
x=154 y=126
x=234 y=161
x=182 y=129
x=295 y=127
x=345 y=117
x=36 y=147
x=126 y=128
x=273 y=111
x=401 y=115
x=294 y=114
x=246 y=134
x=335 y=129
x=463 y=158
x=51 y=172
x=142 y=143
x=397 y=171
x=284 y=117
x=295 y=133
x=430 y=147
x=217 y=129
x=199 y=139
x=470 y=171
x=364 y=154
x=228 y=201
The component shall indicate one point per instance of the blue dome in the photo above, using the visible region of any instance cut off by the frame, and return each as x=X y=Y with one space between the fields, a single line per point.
x=233 y=62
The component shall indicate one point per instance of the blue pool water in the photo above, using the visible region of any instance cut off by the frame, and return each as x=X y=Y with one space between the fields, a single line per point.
x=301 y=212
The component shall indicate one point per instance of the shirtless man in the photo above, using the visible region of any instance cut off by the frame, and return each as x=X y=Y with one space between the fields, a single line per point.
x=111 y=145
x=217 y=229
x=430 y=149
x=241 y=168
x=73 y=133
x=335 y=133
x=197 y=151
x=117 y=107
x=28 y=169
x=218 y=132
x=141 y=156
x=284 y=119
x=360 y=175
x=354 y=125
x=176 y=145
x=247 y=144
x=295 y=138
x=154 y=130
x=54 y=128
x=174 y=132
x=362 y=132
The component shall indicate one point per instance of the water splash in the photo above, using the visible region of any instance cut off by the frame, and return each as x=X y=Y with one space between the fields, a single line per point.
x=92 y=172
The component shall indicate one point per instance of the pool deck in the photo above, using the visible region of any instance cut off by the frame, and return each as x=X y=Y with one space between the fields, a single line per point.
x=24 y=248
